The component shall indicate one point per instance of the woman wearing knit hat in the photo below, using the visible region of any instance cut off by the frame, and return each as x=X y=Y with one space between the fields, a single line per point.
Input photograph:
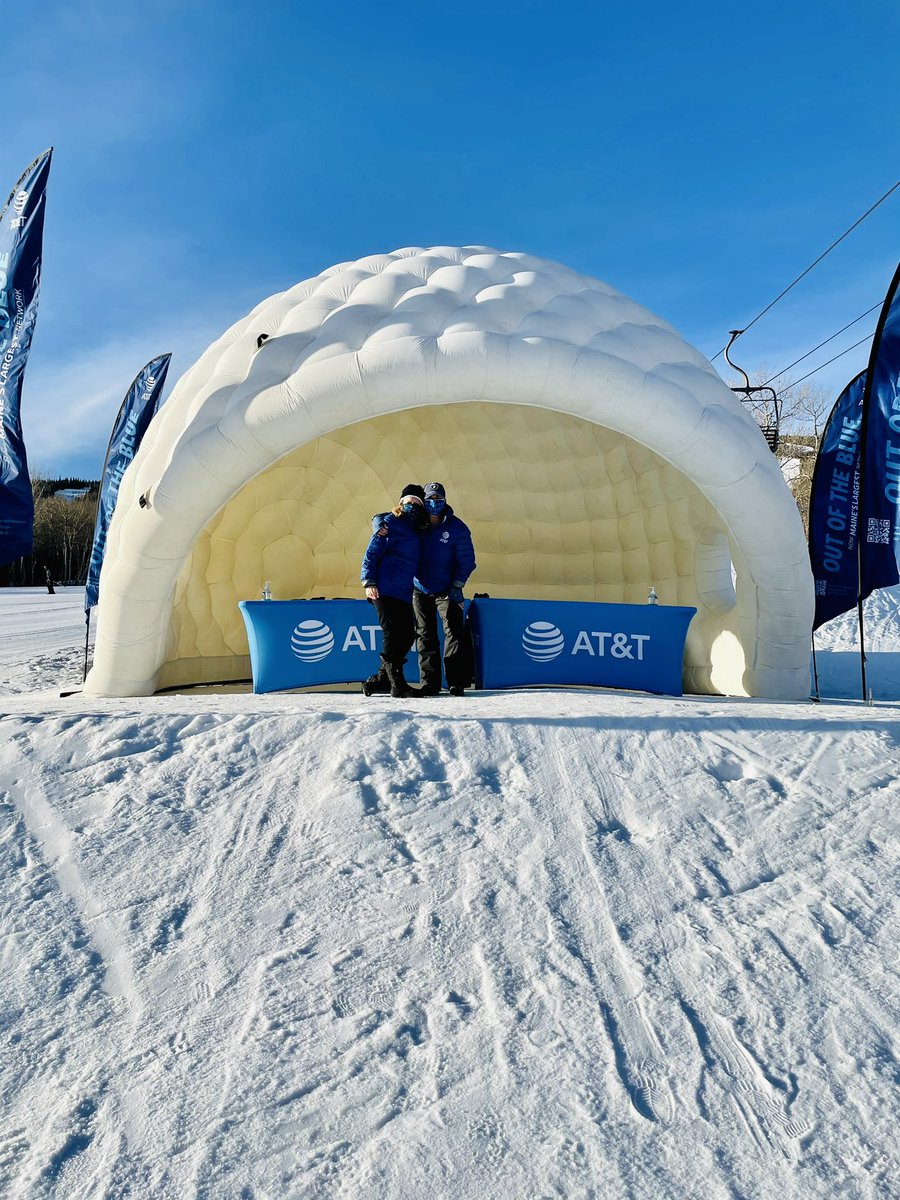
x=388 y=569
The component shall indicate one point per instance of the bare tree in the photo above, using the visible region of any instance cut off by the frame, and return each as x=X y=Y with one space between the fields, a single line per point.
x=67 y=528
x=805 y=410
x=802 y=415
x=63 y=534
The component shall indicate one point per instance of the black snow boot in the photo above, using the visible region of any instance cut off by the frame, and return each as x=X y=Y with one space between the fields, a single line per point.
x=430 y=686
x=377 y=684
x=400 y=689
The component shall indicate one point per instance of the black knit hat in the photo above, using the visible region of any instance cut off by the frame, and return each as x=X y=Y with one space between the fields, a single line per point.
x=413 y=489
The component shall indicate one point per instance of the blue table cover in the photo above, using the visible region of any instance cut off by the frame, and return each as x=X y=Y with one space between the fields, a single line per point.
x=517 y=643
x=530 y=642
x=302 y=643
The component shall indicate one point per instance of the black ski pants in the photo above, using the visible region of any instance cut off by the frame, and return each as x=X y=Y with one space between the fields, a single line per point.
x=457 y=659
x=397 y=627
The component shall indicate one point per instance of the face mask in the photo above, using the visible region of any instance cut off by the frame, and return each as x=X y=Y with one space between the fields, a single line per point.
x=436 y=506
x=410 y=509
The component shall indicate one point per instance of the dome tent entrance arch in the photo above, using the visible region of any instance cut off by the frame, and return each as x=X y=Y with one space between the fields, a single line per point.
x=558 y=506
x=421 y=330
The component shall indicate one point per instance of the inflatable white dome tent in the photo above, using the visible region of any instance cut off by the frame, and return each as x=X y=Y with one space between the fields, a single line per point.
x=591 y=450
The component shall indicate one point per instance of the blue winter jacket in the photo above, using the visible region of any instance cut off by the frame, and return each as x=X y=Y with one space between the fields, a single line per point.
x=391 y=562
x=448 y=556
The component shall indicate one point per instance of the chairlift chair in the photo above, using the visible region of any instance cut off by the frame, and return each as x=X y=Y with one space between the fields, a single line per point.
x=767 y=409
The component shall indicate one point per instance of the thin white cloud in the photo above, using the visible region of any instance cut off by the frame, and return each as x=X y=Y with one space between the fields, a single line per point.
x=69 y=405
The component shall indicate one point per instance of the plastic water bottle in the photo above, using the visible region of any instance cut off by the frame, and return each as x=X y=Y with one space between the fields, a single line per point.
x=267 y=591
x=652 y=597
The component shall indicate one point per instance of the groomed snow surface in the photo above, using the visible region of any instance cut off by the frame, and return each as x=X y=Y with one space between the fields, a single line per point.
x=519 y=945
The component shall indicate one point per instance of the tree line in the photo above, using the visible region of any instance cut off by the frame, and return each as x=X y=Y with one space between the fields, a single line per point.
x=63 y=534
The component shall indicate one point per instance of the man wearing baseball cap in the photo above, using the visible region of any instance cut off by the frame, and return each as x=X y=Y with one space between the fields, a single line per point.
x=448 y=559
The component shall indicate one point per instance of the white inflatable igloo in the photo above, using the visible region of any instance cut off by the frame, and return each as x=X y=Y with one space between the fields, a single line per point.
x=591 y=450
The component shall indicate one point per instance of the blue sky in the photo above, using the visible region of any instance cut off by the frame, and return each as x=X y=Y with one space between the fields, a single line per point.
x=696 y=156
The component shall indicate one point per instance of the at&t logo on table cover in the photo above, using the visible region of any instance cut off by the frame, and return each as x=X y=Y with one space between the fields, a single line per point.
x=542 y=641
x=312 y=641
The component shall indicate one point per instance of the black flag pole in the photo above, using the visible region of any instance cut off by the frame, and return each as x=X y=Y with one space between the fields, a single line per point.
x=860 y=509
x=859 y=598
x=87 y=638
x=861 y=516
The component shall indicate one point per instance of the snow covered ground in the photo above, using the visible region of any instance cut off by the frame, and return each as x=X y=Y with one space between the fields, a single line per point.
x=518 y=945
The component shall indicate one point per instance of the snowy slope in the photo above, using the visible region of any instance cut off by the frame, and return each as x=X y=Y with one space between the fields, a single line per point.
x=837 y=649
x=41 y=639
x=515 y=945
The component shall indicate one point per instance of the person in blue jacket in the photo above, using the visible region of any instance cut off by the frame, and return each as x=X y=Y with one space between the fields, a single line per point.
x=389 y=566
x=448 y=559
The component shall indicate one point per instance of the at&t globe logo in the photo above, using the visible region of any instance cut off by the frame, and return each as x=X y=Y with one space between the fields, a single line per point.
x=312 y=641
x=542 y=641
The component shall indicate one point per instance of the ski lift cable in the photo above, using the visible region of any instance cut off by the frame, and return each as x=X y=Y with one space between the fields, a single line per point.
x=802 y=274
x=828 y=362
x=849 y=324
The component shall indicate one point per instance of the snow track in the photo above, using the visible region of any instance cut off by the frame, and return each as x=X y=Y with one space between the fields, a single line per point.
x=521 y=945
x=547 y=944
